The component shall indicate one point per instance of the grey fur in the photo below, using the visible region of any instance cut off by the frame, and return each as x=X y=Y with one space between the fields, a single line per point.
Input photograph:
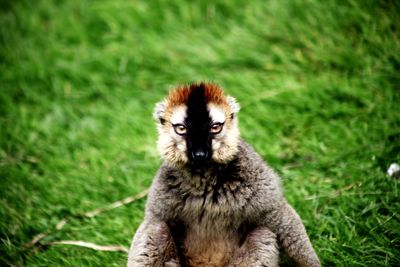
x=159 y=110
x=227 y=215
x=233 y=104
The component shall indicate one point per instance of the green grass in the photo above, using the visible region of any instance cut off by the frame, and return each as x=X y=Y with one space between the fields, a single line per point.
x=319 y=85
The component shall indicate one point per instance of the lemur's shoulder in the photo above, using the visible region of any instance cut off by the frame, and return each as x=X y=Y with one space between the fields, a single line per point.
x=252 y=164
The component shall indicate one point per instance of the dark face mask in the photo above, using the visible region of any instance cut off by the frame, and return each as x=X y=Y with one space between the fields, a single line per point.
x=198 y=138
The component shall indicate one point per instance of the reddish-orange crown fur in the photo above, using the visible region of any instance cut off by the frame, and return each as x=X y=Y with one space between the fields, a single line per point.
x=213 y=93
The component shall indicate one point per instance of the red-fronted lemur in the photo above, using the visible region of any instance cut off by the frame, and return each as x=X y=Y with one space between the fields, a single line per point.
x=214 y=202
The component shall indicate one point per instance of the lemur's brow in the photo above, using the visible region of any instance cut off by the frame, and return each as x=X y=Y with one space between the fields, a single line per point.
x=177 y=124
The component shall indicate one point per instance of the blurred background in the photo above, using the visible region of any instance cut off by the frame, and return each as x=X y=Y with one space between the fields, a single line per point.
x=318 y=82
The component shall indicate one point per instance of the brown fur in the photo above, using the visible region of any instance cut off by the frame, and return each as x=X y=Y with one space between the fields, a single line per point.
x=213 y=94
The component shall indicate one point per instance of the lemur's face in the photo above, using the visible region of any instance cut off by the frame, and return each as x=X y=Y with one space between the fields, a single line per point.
x=197 y=124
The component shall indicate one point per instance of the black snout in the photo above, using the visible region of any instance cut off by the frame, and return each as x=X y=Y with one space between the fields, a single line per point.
x=199 y=155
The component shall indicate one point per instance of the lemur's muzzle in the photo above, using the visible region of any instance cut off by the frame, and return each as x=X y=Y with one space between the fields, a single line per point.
x=199 y=147
x=199 y=155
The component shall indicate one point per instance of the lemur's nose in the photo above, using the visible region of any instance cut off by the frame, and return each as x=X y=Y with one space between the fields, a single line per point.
x=199 y=155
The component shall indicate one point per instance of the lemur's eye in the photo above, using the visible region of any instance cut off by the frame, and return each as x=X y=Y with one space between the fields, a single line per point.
x=180 y=129
x=216 y=128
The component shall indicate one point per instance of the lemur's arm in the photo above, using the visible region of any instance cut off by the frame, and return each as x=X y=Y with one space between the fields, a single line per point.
x=152 y=245
x=292 y=236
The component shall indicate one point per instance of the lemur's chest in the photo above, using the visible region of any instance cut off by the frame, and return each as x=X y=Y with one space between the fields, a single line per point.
x=212 y=212
x=213 y=198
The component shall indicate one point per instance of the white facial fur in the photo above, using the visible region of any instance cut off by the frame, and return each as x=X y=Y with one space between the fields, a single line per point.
x=178 y=115
x=172 y=146
x=224 y=144
x=217 y=114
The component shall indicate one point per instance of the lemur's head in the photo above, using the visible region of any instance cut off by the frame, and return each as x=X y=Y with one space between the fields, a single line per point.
x=197 y=124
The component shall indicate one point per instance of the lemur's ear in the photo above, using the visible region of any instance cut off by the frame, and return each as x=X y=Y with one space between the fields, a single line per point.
x=233 y=104
x=159 y=111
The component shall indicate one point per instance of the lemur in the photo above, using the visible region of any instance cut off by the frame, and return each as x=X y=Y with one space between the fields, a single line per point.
x=214 y=202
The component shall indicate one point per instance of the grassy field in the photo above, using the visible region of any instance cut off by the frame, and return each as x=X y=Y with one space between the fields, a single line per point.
x=319 y=85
